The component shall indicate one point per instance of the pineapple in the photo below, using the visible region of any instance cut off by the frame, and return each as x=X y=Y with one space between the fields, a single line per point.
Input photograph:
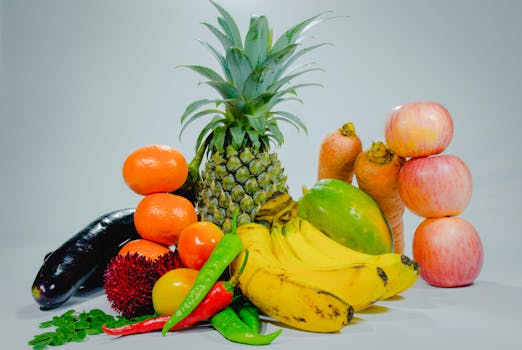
x=240 y=171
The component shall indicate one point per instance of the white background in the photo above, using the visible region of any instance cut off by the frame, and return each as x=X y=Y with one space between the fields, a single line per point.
x=83 y=83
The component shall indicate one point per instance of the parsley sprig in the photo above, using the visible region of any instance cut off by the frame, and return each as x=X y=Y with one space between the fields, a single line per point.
x=74 y=326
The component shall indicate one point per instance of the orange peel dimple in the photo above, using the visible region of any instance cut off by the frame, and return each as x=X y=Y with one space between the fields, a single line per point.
x=155 y=169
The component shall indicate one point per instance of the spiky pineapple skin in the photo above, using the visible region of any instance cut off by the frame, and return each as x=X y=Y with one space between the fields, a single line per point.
x=238 y=181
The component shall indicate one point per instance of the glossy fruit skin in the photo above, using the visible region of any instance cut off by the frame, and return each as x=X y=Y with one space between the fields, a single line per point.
x=160 y=217
x=171 y=288
x=449 y=251
x=435 y=186
x=155 y=169
x=196 y=242
x=144 y=247
x=81 y=260
x=418 y=129
x=347 y=215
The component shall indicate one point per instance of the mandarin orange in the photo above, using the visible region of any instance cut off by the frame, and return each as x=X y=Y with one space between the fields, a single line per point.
x=144 y=247
x=160 y=217
x=154 y=169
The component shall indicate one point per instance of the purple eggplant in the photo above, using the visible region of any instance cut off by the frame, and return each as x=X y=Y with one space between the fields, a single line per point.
x=79 y=261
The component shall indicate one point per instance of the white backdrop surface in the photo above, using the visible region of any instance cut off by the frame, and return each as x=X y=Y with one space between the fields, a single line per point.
x=83 y=83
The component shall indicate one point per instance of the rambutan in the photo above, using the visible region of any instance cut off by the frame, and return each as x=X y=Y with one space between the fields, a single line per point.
x=128 y=281
x=129 y=278
x=168 y=261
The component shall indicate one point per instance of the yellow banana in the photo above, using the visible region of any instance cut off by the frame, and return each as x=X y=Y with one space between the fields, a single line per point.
x=359 y=284
x=402 y=272
x=301 y=247
x=314 y=248
x=285 y=295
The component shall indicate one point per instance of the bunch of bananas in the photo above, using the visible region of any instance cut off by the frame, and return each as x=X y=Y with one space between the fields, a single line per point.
x=300 y=277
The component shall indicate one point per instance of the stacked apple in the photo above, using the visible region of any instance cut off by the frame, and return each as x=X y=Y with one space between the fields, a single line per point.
x=437 y=187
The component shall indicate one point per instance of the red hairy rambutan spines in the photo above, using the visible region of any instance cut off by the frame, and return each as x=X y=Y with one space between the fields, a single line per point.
x=168 y=261
x=129 y=278
x=128 y=281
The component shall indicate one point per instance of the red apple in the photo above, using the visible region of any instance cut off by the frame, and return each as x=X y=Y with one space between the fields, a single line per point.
x=418 y=129
x=448 y=250
x=435 y=186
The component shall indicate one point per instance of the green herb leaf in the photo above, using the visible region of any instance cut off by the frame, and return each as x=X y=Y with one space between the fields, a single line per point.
x=46 y=324
x=73 y=326
x=79 y=336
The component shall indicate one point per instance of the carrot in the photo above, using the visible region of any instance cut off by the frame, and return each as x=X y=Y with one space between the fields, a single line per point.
x=376 y=171
x=337 y=154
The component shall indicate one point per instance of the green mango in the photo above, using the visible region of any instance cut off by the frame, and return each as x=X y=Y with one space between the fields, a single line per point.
x=348 y=215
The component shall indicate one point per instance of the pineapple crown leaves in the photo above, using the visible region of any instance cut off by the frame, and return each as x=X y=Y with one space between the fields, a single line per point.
x=256 y=77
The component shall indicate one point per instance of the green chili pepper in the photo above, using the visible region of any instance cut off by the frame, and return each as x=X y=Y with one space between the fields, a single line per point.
x=248 y=313
x=227 y=249
x=228 y=323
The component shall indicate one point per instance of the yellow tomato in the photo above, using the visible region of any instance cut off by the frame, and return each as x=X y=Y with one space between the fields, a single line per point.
x=170 y=289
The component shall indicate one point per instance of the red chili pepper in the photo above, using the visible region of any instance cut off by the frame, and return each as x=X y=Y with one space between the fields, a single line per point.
x=219 y=296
